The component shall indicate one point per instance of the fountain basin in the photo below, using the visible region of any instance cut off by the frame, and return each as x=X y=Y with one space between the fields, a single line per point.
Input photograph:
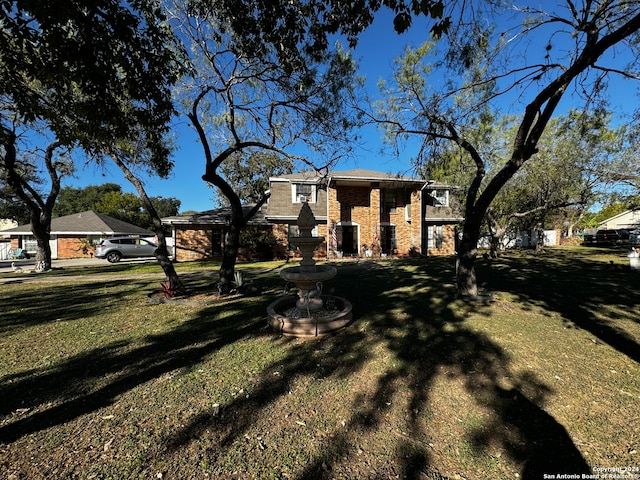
x=309 y=282
x=309 y=314
x=281 y=317
x=312 y=275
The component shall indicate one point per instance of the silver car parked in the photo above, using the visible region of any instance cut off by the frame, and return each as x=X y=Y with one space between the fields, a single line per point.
x=116 y=248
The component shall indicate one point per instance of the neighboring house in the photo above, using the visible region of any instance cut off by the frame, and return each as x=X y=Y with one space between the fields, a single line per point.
x=73 y=235
x=201 y=235
x=629 y=220
x=5 y=241
x=367 y=213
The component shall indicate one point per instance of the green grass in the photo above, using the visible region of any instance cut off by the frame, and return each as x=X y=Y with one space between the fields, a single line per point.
x=98 y=382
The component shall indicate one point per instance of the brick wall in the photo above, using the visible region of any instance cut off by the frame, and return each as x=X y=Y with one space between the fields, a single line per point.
x=193 y=242
x=362 y=206
x=74 y=247
x=281 y=234
x=448 y=241
x=68 y=247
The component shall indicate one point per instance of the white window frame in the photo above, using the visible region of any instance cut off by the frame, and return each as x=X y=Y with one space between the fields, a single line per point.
x=407 y=212
x=441 y=197
x=29 y=243
x=435 y=236
x=301 y=197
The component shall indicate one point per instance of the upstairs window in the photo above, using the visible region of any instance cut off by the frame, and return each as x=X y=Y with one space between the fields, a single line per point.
x=390 y=199
x=303 y=192
x=440 y=197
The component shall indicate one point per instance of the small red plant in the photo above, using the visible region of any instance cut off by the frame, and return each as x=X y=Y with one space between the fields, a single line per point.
x=168 y=289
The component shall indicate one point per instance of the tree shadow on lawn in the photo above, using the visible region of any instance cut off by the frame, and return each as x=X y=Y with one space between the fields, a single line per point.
x=593 y=295
x=76 y=386
x=55 y=302
x=407 y=308
x=410 y=310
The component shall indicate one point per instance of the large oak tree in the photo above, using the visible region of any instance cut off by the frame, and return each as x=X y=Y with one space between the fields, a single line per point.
x=97 y=75
x=520 y=60
x=244 y=104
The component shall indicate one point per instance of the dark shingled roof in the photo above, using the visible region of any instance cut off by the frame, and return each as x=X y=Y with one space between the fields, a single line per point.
x=85 y=223
x=217 y=216
x=355 y=174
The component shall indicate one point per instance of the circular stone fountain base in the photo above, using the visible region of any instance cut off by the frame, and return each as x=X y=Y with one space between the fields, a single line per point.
x=285 y=318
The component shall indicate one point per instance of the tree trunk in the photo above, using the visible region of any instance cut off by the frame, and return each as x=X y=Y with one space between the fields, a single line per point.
x=40 y=210
x=494 y=245
x=162 y=253
x=539 y=240
x=229 y=256
x=43 y=251
x=465 y=265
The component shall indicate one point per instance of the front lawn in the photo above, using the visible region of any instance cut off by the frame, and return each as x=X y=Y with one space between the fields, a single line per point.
x=98 y=382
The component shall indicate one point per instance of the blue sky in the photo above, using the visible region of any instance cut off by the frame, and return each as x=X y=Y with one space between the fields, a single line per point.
x=378 y=47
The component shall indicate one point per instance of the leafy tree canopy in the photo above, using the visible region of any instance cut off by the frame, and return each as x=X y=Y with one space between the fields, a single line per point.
x=300 y=28
x=96 y=71
x=249 y=172
x=97 y=75
x=242 y=101
x=110 y=200
x=498 y=57
x=73 y=200
x=11 y=207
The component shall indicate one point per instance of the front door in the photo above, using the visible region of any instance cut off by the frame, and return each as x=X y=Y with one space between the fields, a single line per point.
x=349 y=244
x=388 y=242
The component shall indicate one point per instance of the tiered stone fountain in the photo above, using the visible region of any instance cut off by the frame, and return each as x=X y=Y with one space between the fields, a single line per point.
x=309 y=313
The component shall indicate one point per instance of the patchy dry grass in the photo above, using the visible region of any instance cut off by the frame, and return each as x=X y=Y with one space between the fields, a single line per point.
x=97 y=382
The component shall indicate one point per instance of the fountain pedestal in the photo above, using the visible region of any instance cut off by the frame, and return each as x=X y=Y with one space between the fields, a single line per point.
x=311 y=313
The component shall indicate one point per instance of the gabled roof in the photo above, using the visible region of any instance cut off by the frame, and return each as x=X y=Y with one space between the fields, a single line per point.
x=218 y=216
x=626 y=219
x=362 y=174
x=85 y=223
x=357 y=174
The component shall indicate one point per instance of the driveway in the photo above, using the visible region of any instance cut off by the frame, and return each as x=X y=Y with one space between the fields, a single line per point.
x=29 y=264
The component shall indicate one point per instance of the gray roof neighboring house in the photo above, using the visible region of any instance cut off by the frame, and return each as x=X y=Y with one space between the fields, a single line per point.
x=218 y=216
x=85 y=223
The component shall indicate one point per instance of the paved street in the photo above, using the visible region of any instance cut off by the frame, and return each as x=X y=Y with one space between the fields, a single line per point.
x=29 y=264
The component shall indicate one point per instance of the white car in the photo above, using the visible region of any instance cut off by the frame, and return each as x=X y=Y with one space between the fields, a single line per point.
x=116 y=248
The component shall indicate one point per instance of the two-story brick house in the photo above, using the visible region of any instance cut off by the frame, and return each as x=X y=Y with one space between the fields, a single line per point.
x=362 y=212
x=359 y=212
